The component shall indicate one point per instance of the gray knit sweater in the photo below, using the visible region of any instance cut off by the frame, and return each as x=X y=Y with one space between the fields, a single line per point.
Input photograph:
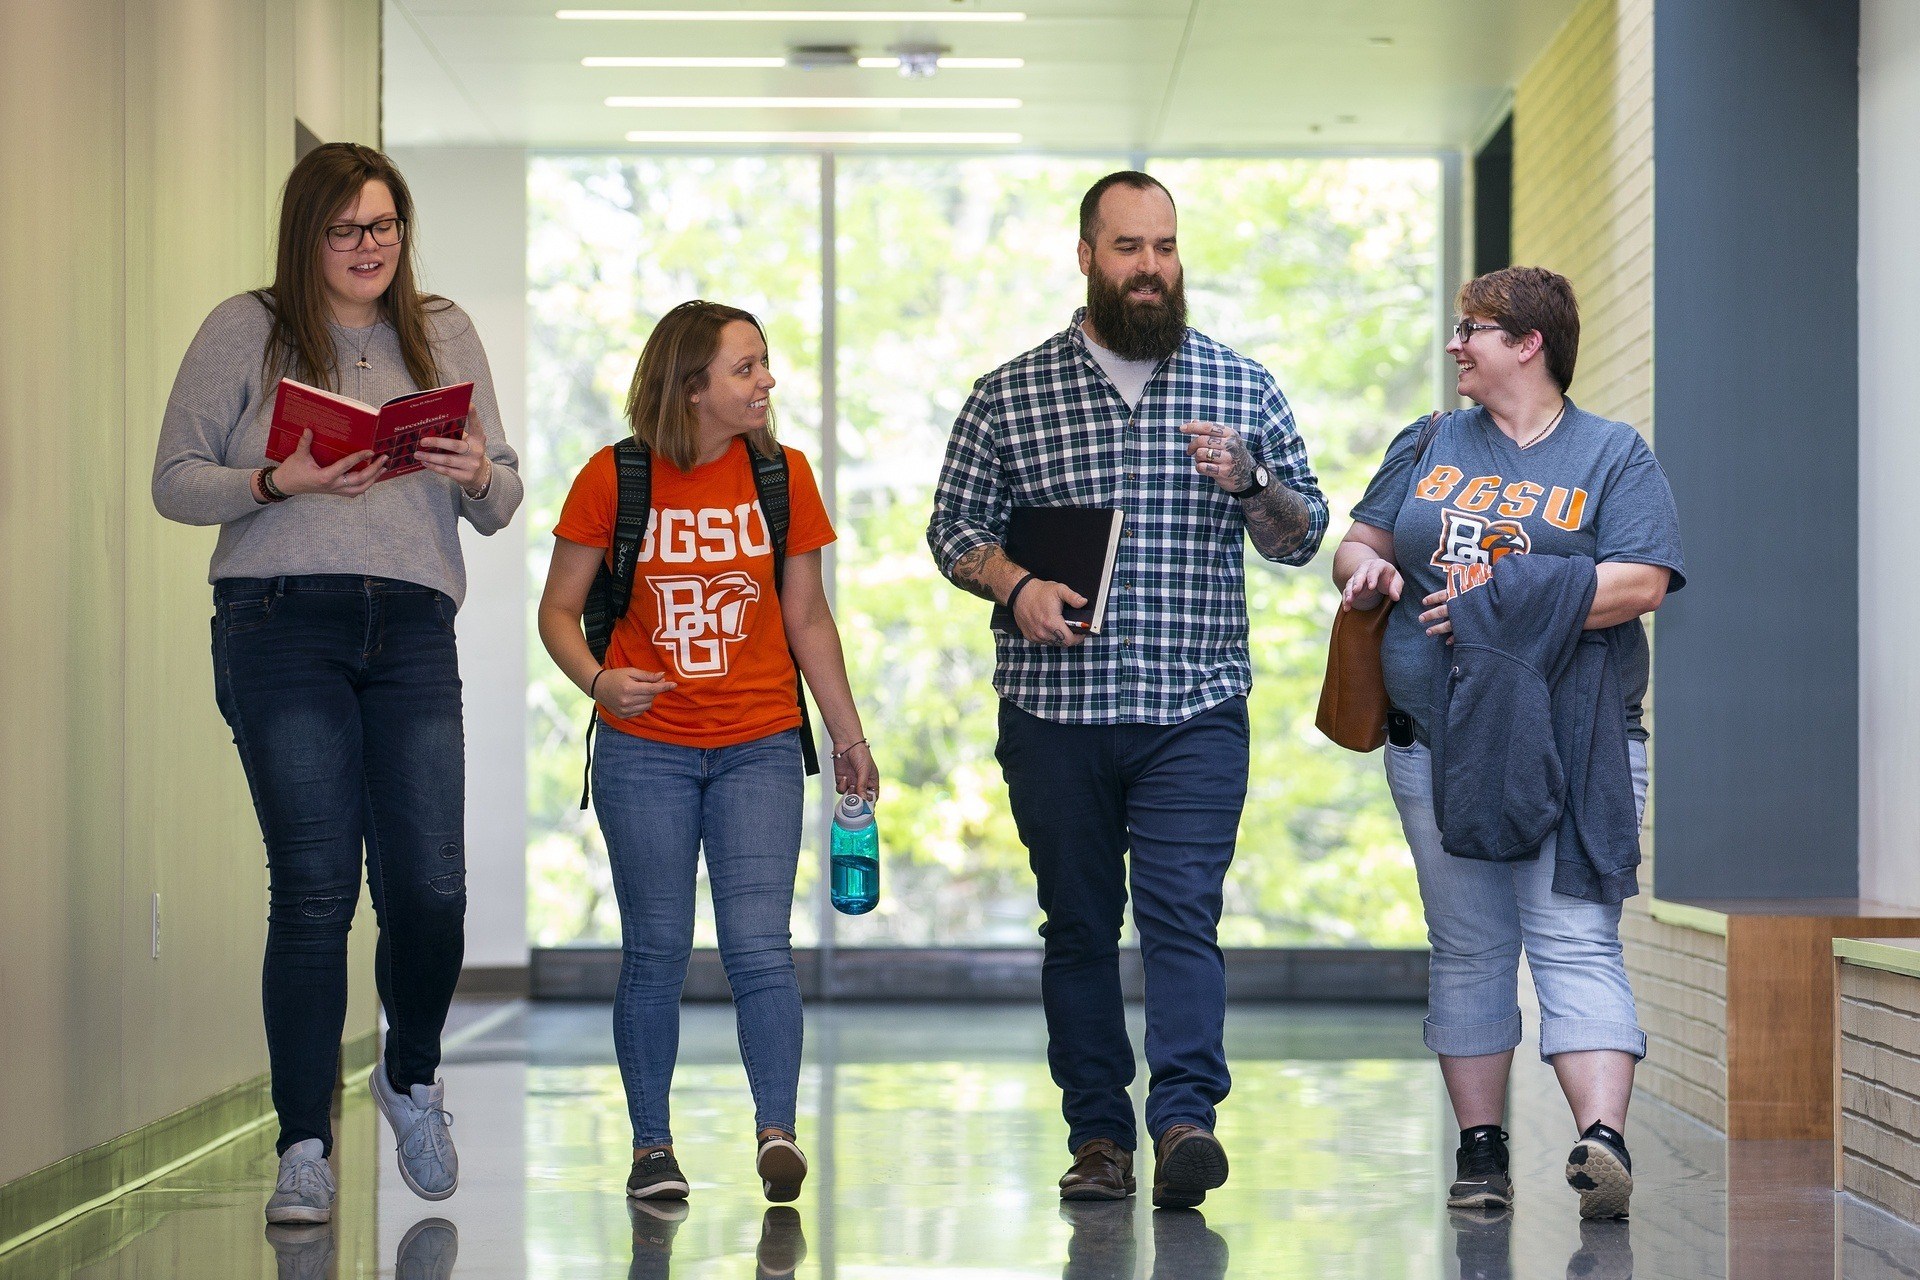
x=215 y=435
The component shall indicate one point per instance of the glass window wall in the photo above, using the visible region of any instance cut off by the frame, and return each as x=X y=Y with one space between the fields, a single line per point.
x=944 y=267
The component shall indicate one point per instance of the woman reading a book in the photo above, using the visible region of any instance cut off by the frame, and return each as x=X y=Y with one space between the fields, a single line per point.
x=701 y=742
x=334 y=591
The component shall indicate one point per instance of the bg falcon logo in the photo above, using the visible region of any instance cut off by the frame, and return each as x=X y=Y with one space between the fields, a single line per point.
x=1471 y=544
x=700 y=618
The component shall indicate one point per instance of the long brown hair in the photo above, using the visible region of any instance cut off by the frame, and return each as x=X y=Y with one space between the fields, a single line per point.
x=672 y=370
x=327 y=180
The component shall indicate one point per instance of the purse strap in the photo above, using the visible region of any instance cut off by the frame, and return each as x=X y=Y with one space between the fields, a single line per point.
x=1427 y=435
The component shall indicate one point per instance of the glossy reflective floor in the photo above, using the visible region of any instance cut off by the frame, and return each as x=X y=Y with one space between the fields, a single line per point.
x=935 y=1140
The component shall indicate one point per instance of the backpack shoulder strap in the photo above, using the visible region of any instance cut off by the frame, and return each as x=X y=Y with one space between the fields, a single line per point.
x=770 y=483
x=634 y=504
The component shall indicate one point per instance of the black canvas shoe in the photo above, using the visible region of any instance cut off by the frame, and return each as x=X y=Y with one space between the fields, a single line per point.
x=1480 y=1169
x=656 y=1176
x=1600 y=1169
x=781 y=1166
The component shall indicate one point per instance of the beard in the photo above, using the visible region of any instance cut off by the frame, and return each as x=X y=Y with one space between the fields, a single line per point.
x=1136 y=330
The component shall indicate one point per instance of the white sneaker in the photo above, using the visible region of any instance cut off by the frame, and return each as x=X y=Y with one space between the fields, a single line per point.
x=303 y=1192
x=423 y=1132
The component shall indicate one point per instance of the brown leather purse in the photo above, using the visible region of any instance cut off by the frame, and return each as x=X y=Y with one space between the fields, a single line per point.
x=1353 y=697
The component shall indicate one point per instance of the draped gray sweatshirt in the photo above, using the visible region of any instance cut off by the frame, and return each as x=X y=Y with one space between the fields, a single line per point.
x=214 y=435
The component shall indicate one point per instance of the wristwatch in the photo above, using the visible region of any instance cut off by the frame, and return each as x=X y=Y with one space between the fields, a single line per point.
x=1261 y=479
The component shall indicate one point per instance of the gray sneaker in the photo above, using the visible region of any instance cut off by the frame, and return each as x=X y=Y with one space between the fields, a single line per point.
x=427 y=1251
x=422 y=1129
x=301 y=1250
x=303 y=1191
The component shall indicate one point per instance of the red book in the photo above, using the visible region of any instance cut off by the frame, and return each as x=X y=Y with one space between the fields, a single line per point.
x=342 y=425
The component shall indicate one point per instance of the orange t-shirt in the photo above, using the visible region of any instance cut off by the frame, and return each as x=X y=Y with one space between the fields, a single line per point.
x=703 y=608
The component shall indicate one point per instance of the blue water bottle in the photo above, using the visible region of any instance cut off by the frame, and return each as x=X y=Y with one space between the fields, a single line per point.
x=856 y=856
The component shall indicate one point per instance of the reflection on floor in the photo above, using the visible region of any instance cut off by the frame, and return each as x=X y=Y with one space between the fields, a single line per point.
x=935 y=1140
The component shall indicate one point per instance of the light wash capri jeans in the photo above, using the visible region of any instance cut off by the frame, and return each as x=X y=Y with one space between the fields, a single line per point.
x=1480 y=915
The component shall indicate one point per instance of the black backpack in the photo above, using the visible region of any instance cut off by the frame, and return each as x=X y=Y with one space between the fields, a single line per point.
x=612 y=588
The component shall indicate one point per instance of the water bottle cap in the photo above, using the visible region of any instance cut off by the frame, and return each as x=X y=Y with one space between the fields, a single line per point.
x=854 y=805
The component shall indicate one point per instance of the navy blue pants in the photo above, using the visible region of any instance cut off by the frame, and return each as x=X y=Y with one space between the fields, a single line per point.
x=1085 y=797
x=343 y=694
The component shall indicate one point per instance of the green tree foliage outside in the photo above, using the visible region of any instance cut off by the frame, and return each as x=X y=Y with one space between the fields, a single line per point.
x=945 y=268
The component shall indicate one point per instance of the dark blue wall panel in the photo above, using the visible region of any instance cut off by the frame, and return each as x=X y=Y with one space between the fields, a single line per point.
x=1756 y=360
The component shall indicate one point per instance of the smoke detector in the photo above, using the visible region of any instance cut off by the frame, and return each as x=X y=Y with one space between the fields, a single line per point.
x=918 y=61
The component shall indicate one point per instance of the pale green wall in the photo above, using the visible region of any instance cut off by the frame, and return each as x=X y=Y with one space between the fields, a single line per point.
x=143 y=148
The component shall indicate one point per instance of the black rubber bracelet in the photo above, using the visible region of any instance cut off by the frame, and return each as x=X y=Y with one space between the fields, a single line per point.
x=1018 y=587
x=595 y=683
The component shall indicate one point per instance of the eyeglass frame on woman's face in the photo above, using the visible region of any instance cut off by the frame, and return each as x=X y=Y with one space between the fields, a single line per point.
x=1464 y=329
x=365 y=230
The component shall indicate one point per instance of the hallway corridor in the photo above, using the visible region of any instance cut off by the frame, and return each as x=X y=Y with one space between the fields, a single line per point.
x=935 y=1140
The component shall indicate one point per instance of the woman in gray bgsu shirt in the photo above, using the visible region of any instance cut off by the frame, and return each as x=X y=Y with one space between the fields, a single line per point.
x=333 y=651
x=1525 y=472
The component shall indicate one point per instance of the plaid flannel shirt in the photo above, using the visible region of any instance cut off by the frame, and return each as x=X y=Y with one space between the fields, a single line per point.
x=1049 y=429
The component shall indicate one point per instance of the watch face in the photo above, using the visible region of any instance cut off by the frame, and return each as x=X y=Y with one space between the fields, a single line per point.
x=1260 y=476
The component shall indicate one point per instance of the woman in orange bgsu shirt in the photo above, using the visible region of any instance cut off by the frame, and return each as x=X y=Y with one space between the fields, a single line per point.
x=699 y=684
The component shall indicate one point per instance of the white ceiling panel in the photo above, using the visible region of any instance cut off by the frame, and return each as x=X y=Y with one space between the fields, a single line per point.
x=1125 y=76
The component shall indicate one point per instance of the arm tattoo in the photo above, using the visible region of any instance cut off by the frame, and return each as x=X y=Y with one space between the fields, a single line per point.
x=971 y=572
x=1278 y=520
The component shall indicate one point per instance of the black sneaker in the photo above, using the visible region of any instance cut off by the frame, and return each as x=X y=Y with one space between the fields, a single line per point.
x=1600 y=1169
x=1480 y=1166
x=656 y=1176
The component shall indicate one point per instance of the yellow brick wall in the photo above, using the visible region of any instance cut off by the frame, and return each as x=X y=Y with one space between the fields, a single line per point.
x=1583 y=194
x=1583 y=206
x=1679 y=987
x=1880 y=1088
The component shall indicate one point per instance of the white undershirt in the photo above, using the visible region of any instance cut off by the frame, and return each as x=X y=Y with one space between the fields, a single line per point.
x=1129 y=377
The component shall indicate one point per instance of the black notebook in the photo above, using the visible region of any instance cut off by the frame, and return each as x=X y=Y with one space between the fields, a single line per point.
x=1074 y=545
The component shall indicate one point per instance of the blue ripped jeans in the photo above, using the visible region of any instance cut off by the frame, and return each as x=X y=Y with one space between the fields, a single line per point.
x=659 y=805
x=343 y=694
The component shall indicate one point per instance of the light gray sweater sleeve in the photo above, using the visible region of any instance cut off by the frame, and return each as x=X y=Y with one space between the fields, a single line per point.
x=491 y=513
x=212 y=393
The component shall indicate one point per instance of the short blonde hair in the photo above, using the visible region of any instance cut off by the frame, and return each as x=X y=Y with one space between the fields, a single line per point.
x=672 y=370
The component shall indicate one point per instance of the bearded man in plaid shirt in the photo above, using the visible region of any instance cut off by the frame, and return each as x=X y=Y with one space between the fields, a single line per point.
x=1133 y=741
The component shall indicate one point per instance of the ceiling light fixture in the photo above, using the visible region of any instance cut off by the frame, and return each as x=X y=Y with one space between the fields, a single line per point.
x=826 y=104
x=826 y=139
x=953 y=64
x=821 y=57
x=780 y=15
x=683 y=62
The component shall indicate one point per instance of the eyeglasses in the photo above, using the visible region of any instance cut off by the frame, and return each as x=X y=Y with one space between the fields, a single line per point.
x=1465 y=329
x=345 y=237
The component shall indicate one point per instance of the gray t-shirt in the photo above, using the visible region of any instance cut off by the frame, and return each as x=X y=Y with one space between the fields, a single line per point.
x=215 y=434
x=1591 y=488
x=1129 y=377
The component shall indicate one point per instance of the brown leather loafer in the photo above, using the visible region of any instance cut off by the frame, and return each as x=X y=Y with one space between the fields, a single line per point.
x=1102 y=1170
x=1188 y=1162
